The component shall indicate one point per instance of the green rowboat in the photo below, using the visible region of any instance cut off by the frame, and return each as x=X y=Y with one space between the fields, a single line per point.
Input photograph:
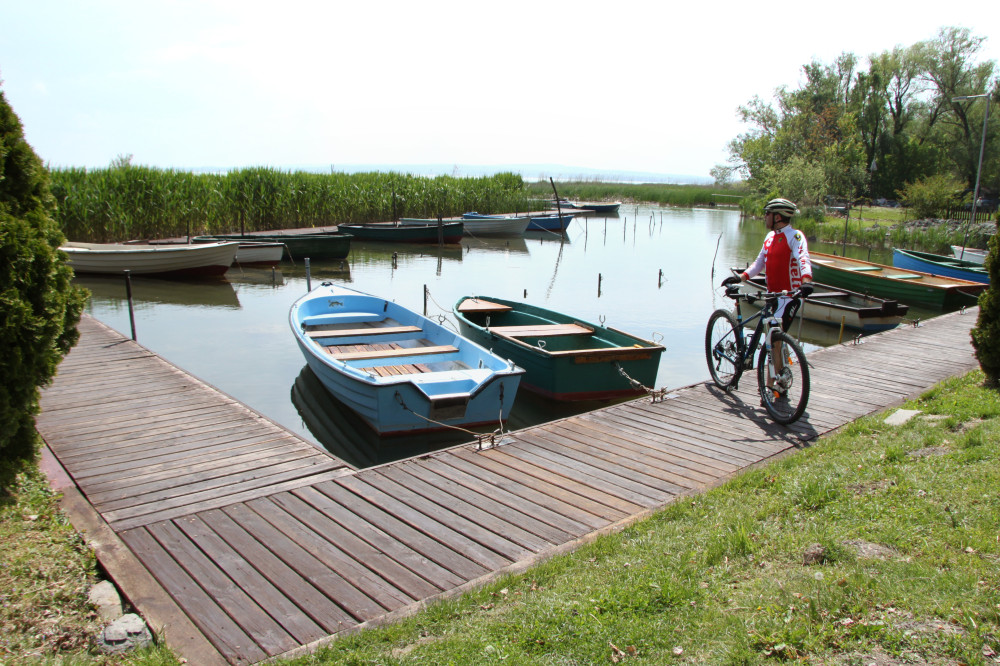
x=564 y=358
x=907 y=286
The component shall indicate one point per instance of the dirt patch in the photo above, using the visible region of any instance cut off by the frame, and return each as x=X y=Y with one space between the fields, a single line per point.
x=871 y=551
x=929 y=451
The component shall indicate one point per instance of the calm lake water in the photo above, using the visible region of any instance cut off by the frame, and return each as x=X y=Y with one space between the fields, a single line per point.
x=648 y=270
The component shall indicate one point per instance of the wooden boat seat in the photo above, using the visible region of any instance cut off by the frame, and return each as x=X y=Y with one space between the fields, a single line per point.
x=367 y=330
x=863 y=269
x=480 y=305
x=546 y=330
x=905 y=276
x=391 y=353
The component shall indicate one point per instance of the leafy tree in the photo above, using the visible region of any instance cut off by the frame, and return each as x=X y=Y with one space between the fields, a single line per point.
x=39 y=306
x=873 y=130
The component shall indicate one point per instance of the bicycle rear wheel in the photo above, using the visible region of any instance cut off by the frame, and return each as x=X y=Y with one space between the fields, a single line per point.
x=723 y=349
x=785 y=400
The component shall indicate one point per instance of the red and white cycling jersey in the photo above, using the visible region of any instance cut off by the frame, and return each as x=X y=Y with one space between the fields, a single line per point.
x=784 y=258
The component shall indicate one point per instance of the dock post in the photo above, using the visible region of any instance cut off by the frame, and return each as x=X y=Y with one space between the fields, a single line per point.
x=128 y=295
x=308 y=276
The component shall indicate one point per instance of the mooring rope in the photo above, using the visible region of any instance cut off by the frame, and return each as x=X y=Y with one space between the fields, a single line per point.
x=491 y=437
x=656 y=395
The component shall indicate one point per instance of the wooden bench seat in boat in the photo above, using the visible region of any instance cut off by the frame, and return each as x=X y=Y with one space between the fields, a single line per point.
x=540 y=330
x=481 y=305
x=371 y=354
x=367 y=330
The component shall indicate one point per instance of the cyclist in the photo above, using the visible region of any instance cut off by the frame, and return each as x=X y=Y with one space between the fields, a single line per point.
x=784 y=258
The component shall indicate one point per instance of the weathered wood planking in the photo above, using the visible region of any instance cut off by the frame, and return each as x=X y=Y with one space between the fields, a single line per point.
x=269 y=547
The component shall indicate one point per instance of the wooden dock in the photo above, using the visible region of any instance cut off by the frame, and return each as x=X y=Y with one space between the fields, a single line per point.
x=238 y=541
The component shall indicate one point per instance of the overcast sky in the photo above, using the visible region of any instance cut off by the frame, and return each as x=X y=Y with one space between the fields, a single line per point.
x=615 y=85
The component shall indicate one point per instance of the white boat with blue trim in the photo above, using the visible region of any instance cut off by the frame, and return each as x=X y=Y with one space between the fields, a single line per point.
x=398 y=370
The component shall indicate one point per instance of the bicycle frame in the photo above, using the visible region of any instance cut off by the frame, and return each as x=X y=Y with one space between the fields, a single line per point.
x=765 y=319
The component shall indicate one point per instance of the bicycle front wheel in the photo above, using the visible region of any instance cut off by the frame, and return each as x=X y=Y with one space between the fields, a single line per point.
x=784 y=396
x=723 y=349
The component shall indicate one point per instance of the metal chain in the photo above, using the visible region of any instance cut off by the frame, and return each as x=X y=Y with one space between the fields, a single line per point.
x=656 y=395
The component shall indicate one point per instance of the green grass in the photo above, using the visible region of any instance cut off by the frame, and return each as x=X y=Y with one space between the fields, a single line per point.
x=903 y=521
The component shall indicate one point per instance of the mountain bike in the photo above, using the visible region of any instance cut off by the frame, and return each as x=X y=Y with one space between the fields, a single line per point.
x=783 y=380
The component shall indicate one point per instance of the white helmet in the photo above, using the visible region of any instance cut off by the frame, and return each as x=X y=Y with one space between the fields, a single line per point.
x=781 y=207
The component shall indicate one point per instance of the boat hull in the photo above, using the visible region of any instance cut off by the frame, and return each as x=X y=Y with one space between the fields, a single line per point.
x=557 y=223
x=206 y=260
x=399 y=371
x=937 y=264
x=972 y=254
x=564 y=359
x=839 y=307
x=505 y=226
x=297 y=246
x=450 y=232
x=911 y=287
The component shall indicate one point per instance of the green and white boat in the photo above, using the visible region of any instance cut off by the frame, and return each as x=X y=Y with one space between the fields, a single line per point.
x=907 y=286
x=564 y=358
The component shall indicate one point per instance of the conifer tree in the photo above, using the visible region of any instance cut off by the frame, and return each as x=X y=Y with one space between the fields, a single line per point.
x=39 y=305
x=986 y=333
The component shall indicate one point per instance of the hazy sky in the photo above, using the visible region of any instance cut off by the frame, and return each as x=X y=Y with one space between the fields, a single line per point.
x=615 y=85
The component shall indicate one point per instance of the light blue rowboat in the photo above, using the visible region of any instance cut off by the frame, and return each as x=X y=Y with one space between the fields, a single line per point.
x=401 y=372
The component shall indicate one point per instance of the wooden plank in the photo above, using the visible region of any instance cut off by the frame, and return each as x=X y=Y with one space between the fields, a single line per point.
x=331 y=555
x=443 y=527
x=377 y=538
x=482 y=305
x=383 y=521
x=212 y=620
x=541 y=330
x=549 y=503
x=309 y=600
x=249 y=580
x=390 y=353
x=517 y=519
x=407 y=582
x=334 y=586
x=369 y=330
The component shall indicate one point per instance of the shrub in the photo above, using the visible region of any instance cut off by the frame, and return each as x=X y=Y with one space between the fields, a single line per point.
x=986 y=333
x=932 y=195
x=39 y=306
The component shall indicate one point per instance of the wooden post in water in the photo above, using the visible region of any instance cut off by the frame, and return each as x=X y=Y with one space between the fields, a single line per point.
x=440 y=231
x=308 y=276
x=128 y=294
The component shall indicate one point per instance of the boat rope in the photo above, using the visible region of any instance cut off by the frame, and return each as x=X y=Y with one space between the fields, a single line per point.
x=656 y=395
x=493 y=438
x=442 y=318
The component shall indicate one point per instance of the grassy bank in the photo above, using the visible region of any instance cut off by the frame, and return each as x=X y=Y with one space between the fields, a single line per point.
x=661 y=193
x=878 y=544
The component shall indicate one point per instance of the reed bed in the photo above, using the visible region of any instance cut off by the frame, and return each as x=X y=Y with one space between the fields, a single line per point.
x=134 y=202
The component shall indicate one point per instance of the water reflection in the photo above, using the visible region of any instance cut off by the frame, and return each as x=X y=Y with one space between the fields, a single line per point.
x=150 y=291
x=343 y=433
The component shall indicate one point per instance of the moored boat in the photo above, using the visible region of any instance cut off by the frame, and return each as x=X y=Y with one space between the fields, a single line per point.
x=595 y=206
x=840 y=307
x=447 y=232
x=975 y=255
x=564 y=358
x=938 y=264
x=914 y=288
x=399 y=371
x=553 y=222
x=503 y=226
x=209 y=259
x=297 y=246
